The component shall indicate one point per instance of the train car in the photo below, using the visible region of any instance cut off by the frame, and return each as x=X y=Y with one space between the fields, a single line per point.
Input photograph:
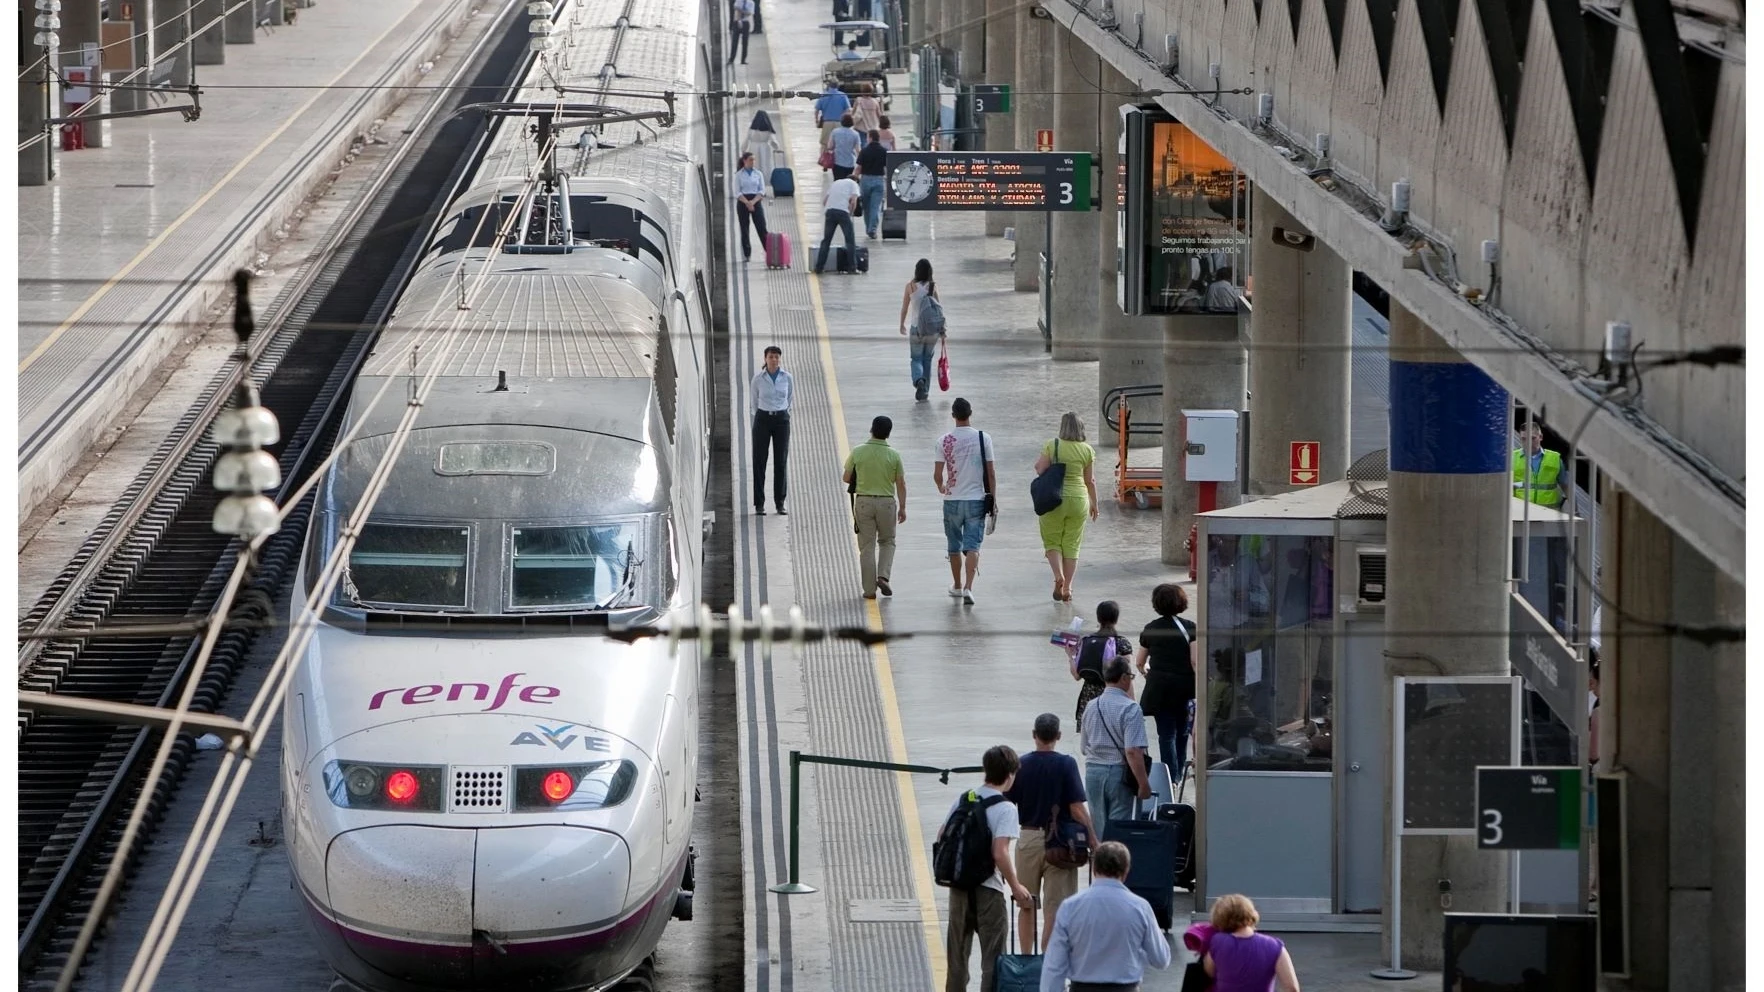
x=480 y=791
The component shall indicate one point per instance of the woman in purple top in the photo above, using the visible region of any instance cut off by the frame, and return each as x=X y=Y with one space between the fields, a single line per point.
x=1241 y=960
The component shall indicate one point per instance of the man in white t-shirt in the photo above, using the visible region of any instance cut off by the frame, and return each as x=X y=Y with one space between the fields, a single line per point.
x=984 y=911
x=841 y=201
x=963 y=473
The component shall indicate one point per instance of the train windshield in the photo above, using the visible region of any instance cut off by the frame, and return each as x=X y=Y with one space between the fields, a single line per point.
x=405 y=565
x=592 y=566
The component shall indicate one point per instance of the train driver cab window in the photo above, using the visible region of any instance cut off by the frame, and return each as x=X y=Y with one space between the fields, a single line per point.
x=1270 y=625
x=414 y=566
x=585 y=567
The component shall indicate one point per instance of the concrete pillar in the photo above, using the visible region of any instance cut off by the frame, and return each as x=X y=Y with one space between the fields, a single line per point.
x=145 y=49
x=1448 y=541
x=1032 y=110
x=210 y=44
x=1204 y=369
x=970 y=37
x=1302 y=326
x=80 y=21
x=1076 y=71
x=81 y=27
x=1672 y=719
x=241 y=24
x=170 y=33
x=1001 y=67
x=933 y=14
x=35 y=163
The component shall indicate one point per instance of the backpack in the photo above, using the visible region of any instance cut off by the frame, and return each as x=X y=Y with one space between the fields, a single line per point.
x=1094 y=654
x=961 y=857
x=931 y=320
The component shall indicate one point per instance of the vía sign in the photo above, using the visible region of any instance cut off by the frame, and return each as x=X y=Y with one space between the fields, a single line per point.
x=480 y=692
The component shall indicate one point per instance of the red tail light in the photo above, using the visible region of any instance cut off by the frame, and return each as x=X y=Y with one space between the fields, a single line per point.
x=401 y=787
x=557 y=786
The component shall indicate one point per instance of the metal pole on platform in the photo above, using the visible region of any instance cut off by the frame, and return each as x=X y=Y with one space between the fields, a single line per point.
x=794 y=887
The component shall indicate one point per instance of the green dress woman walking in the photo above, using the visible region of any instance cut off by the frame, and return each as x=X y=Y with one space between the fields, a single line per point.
x=1062 y=528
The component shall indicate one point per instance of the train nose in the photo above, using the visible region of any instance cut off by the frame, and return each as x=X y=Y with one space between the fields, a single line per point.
x=453 y=907
x=545 y=882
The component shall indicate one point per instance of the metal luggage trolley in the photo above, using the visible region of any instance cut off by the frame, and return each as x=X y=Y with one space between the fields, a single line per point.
x=1143 y=484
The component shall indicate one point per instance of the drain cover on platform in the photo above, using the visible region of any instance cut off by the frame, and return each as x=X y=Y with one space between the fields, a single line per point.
x=884 y=910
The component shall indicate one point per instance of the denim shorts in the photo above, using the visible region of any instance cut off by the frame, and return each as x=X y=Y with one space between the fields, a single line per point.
x=964 y=524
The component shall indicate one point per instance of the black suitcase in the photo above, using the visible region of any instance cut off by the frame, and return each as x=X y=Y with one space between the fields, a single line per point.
x=1152 y=873
x=842 y=261
x=894 y=223
x=1182 y=816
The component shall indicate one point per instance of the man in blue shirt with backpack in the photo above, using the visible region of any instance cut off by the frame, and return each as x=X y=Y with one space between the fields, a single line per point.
x=972 y=857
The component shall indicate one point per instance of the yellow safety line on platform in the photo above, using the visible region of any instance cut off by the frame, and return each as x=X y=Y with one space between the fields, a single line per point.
x=159 y=239
x=923 y=883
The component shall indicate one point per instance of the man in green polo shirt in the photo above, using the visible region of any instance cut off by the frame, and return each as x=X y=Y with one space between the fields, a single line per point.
x=880 y=481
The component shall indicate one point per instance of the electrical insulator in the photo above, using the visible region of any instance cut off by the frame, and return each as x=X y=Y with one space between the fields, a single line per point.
x=540 y=8
x=539 y=43
x=245 y=470
x=537 y=27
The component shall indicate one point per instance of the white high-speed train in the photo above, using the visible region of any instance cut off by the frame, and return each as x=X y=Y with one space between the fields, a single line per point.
x=479 y=790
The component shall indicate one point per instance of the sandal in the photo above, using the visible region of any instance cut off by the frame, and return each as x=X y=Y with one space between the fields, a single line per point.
x=1058 y=593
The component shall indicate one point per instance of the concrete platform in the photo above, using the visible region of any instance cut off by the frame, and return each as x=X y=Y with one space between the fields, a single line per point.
x=968 y=677
x=122 y=256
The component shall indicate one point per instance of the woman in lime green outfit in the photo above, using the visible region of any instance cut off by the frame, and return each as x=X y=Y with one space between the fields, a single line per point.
x=1062 y=529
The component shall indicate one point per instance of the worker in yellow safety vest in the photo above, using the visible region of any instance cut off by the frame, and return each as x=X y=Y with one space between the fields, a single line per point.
x=1545 y=469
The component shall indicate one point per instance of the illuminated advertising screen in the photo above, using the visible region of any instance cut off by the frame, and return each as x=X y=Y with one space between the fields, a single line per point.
x=1185 y=219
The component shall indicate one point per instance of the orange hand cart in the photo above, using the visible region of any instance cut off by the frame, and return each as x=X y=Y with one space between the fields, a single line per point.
x=1142 y=484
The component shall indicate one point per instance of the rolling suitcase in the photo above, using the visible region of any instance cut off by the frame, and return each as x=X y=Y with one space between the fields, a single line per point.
x=777 y=250
x=843 y=259
x=1017 y=972
x=1152 y=873
x=1182 y=816
x=783 y=182
x=894 y=225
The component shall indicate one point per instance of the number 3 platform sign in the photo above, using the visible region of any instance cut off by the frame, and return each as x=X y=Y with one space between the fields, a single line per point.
x=989 y=181
x=1528 y=809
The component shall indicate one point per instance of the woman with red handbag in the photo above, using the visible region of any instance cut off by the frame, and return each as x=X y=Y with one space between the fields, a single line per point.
x=921 y=319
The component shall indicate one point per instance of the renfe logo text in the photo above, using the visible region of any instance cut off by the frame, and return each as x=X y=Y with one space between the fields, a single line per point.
x=419 y=694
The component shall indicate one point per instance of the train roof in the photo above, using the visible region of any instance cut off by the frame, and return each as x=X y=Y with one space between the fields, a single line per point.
x=587 y=314
x=615 y=407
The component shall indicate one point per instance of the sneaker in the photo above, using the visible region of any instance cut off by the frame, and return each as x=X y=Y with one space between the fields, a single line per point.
x=968 y=596
x=955 y=592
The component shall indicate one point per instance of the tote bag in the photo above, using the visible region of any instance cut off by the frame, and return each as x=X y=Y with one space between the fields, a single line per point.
x=1045 y=488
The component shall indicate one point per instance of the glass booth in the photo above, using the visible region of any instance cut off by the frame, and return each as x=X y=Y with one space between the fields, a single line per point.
x=1291 y=731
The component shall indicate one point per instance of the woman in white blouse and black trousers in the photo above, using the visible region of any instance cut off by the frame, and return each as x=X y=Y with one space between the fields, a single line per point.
x=750 y=203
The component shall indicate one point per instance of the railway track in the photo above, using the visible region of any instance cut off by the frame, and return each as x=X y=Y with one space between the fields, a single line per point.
x=155 y=558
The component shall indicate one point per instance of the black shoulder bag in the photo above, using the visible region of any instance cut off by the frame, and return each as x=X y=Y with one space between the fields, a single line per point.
x=1128 y=779
x=1045 y=488
x=991 y=507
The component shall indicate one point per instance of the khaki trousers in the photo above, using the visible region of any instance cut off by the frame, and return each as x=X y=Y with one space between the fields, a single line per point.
x=875 y=531
x=984 y=912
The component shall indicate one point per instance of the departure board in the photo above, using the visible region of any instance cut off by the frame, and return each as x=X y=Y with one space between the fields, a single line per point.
x=989 y=180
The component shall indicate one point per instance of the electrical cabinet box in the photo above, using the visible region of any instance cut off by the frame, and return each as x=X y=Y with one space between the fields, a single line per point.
x=1209 y=445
